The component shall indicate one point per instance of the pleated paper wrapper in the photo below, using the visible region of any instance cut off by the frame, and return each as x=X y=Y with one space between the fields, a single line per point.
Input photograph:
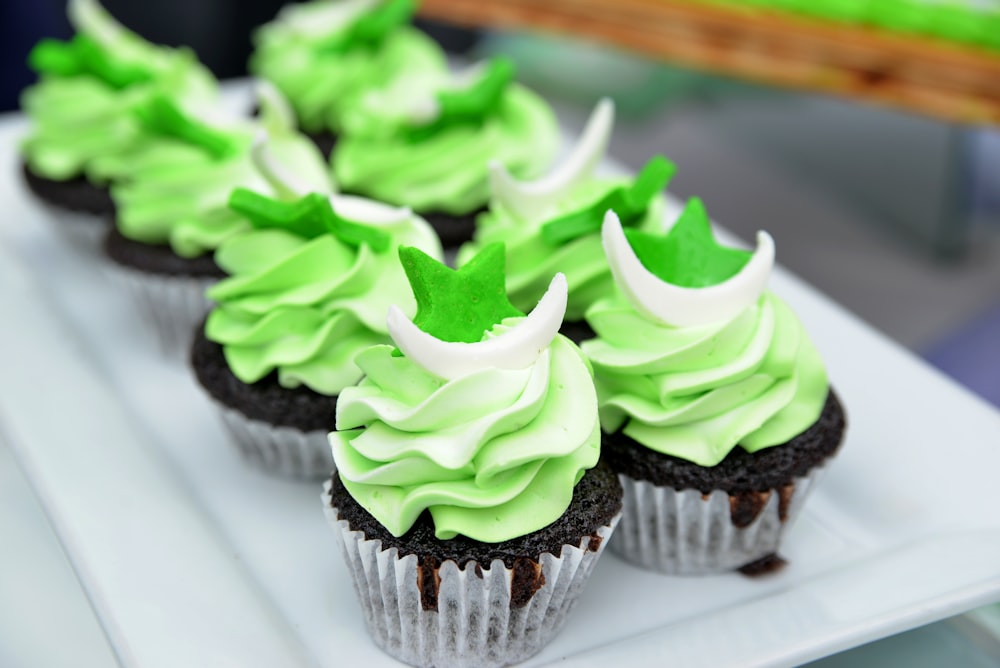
x=474 y=624
x=279 y=450
x=172 y=306
x=688 y=533
x=83 y=231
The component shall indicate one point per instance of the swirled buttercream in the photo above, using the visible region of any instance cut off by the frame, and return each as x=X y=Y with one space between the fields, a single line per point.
x=697 y=392
x=446 y=170
x=493 y=455
x=308 y=52
x=311 y=310
x=179 y=193
x=82 y=110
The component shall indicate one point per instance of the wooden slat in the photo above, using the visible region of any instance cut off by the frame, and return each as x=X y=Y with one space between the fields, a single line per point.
x=947 y=81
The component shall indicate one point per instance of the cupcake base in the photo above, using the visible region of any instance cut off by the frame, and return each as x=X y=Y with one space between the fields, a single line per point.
x=277 y=430
x=453 y=230
x=459 y=603
x=80 y=211
x=76 y=194
x=168 y=291
x=683 y=519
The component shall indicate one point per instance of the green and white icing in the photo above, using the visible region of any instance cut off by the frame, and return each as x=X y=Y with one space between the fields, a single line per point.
x=491 y=446
x=306 y=307
x=695 y=382
x=313 y=54
x=404 y=153
x=518 y=211
x=82 y=111
x=179 y=192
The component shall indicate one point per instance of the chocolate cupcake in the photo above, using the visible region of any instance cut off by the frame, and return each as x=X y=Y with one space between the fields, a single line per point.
x=717 y=412
x=324 y=56
x=83 y=129
x=466 y=497
x=307 y=291
x=427 y=142
x=174 y=211
x=553 y=224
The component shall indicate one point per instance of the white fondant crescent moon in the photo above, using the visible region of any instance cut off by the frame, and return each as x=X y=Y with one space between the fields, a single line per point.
x=679 y=306
x=370 y=212
x=516 y=348
x=425 y=108
x=534 y=199
x=88 y=16
x=273 y=107
x=282 y=179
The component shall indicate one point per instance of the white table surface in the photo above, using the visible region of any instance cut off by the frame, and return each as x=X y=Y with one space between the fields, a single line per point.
x=189 y=558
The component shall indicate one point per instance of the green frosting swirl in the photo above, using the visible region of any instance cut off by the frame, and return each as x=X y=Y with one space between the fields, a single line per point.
x=324 y=80
x=698 y=392
x=493 y=455
x=532 y=261
x=306 y=308
x=447 y=170
x=178 y=193
x=82 y=111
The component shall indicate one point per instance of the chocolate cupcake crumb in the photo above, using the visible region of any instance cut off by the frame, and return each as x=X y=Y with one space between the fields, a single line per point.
x=741 y=472
x=158 y=258
x=596 y=500
x=266 y=400
x=76 y=194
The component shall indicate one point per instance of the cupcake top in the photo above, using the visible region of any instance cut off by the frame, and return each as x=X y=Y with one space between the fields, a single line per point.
x=553 y=224
x=325 y=55
x=179 y=189
x=426 y=141
x=82 y=111
x=310 y=287
x=693 y=357
x=482 y=416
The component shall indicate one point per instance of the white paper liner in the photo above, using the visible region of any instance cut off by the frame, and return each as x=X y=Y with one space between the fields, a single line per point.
x=83 y=231
x=688 y=533
x=171 y=305
x=474 y=624
x=279 y=450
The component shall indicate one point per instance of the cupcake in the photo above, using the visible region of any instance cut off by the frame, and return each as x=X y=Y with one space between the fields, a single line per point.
x=81 y=113
x=553 y=224
x=173 y=212
x=426 y=142
x=325 y=55
x=307 y=291
x=716 y=409
x=468 y=498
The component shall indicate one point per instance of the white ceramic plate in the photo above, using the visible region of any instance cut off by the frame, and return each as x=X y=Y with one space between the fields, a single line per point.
x=190 y=558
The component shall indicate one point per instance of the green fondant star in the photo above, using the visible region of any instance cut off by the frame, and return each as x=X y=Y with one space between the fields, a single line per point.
x=84 y=56
x=471 y=104
x=309 y=217
x=688 y=255
x=370 y=30
x=629 y=202
x=458 y=305
x=162 y=116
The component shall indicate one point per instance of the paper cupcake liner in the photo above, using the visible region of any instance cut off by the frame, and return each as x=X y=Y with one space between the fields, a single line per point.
x=474 y=623
x=83 y=231
x=688 y=533
x=171 y=305
x=279 y=450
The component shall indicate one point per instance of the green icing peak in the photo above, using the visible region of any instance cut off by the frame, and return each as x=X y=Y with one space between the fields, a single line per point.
x=629 y=202
x=308 y=217
x=162 y=116
x=82 y=56
x=688 y=255
x=458 y=305
x=370 y=29
x=473 y=103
